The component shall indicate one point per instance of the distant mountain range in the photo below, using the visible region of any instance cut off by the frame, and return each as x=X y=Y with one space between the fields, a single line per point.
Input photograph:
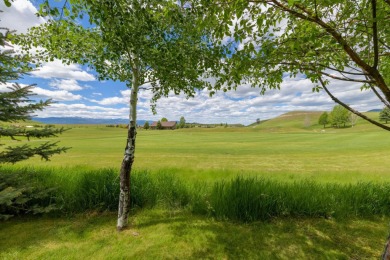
x=86 y=121
x=375 y=110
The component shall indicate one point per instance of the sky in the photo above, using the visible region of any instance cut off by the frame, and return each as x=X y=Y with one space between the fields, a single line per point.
x=78 y=93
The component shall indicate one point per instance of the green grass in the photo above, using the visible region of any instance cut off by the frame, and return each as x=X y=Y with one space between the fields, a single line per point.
x=156 y=234
x=339 y=155
x=323 y=194
x=242 y=199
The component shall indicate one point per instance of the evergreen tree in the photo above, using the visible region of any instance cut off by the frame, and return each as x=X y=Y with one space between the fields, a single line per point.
x=384 y=115
x=16 y=105
x=146 y=125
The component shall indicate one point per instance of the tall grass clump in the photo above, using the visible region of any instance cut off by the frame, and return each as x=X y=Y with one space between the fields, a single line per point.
x=249 y=199
x=73 y=190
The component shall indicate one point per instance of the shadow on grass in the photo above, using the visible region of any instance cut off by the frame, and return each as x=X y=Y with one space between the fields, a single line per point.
x=279 y=239
x=161 y=235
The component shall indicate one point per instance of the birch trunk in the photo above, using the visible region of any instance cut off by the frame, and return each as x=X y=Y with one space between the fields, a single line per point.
x=128 y=159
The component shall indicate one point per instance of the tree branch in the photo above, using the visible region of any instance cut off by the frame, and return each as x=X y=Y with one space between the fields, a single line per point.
x=372 y=71
x=375 y=34
x=345 y=78
x=351 y=109
x=379 y=96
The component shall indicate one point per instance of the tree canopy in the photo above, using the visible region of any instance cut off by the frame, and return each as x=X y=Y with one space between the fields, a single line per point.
x=182 y=122
x=323 y=120
x=321 y=40
x=147 y=44
x=339 y=116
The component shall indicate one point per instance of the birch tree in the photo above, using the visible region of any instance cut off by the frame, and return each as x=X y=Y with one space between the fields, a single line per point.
x=147 y=44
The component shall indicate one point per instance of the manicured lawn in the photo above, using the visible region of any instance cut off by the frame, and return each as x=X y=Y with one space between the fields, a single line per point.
x=176 y=235
x=341 y=155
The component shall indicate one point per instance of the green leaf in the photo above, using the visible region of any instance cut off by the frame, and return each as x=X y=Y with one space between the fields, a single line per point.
x=7 y=3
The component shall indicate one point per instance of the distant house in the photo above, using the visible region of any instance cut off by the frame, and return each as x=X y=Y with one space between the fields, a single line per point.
x=164 y=125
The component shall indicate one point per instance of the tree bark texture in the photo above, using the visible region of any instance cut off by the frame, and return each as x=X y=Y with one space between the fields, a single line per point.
x=124 y=193
x=127 y=162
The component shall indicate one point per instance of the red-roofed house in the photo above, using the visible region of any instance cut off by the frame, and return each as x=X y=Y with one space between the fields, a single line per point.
x=165 y=125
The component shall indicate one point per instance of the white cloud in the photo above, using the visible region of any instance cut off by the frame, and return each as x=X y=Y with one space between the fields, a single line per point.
x=20 y=16
x=112 y=101
x=65 y=84
x=56 y=69
x=58 y=95
x=5 y=87
x=82 y=110
x=246 y=104
x=123 y=99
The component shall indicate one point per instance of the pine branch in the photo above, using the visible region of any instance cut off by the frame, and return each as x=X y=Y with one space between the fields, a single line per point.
x=24 y=152
x=33 y=133
x=16 y=104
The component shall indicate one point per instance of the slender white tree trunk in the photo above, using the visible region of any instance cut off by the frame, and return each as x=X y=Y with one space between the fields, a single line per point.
x=128 y=159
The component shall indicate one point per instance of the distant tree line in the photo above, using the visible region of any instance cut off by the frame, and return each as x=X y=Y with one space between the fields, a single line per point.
x=340 y=117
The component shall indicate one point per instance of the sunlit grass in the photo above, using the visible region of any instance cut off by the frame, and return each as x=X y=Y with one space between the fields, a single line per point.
x=156 y=234
x=304 y=172
x=340 y=155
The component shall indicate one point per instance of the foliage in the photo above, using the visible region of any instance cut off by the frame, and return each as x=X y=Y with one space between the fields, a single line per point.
x=22 y=193
x=17 y=104
x=182 y=122
x=323 y=120
x=149 y=42
x=339 y=116
x=146 y=125
x=13 y=65
x=323 y=40
x=157 y=45
x=159 y=126
x=384 y=115
x=164 y=119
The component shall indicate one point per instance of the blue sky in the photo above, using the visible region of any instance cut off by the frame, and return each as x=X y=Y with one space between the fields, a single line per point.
x=79 y=93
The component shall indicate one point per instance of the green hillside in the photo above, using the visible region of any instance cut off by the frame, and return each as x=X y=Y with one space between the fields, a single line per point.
x=308 y=120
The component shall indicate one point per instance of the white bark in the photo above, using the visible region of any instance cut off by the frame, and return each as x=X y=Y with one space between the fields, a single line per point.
x=128 y=159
